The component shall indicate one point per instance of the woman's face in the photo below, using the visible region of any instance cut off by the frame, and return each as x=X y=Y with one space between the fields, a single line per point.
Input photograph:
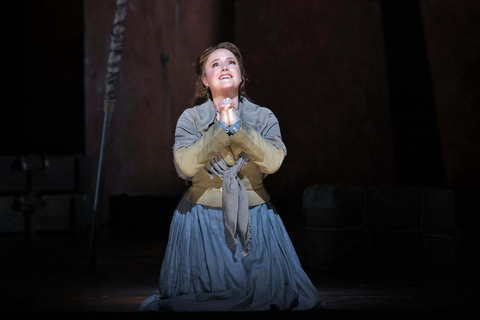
x=222 y=73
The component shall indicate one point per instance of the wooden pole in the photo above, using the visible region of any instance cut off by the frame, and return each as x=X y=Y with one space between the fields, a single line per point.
x=113 y=69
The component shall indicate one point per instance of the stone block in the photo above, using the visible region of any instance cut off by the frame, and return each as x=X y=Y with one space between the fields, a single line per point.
x=334 y=206
x=58 y=176
x=439 y=211
x=395 y=250
x=82 y=211
x=439 y=252
x=84 y=174
x=55 y=215
x=12 y=178
x=393 y=208
x=11 y=220
x=334 y=249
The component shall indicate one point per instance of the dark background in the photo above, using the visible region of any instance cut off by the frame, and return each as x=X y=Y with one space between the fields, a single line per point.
x=367 y=92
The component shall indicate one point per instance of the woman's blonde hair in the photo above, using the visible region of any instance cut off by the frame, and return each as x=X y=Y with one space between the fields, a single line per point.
x=202 y=93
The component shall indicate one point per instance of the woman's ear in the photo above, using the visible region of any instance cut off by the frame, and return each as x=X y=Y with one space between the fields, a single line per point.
x=205 y=83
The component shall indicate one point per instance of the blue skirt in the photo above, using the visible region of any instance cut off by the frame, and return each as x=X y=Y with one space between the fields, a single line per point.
x=199 y=272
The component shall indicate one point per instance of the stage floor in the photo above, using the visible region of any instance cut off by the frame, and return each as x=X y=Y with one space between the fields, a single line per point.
x=51 y=273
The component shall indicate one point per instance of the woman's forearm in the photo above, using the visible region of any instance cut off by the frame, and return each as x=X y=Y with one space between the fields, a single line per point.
x=193 y=158
x=266 y=155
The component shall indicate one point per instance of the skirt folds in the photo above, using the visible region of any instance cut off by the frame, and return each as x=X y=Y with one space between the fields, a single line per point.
x=200 y=273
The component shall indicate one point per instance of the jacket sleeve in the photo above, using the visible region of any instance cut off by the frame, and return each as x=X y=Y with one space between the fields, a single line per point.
x=193 y=158
x=264 y=153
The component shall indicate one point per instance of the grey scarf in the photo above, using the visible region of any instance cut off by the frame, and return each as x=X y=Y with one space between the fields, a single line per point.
x=234 y=201
x=191 y=126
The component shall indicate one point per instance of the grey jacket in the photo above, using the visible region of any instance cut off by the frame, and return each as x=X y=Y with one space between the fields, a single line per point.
x=225 y=170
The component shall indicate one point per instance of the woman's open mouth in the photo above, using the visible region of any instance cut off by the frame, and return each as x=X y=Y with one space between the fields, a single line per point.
x=225 y=76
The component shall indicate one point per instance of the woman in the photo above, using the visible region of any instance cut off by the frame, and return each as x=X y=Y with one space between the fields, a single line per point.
x=228 y=249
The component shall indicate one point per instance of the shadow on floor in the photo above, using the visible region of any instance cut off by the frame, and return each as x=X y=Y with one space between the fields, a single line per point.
x=51 y=273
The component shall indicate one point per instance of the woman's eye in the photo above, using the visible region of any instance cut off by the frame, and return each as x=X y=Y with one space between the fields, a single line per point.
x=231 y=62
x=215 y=64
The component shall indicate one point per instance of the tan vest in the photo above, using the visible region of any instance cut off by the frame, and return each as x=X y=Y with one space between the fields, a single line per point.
x=206 y=189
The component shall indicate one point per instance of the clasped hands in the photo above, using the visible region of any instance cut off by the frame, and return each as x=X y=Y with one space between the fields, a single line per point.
x=227 y=112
